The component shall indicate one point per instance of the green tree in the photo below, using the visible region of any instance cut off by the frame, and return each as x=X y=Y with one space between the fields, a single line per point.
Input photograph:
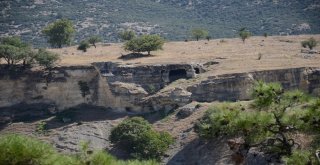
x=271 y=129
x=127 y=35
x=84 y=45
x=244 y=34
x=46 y=59
x=137 y=136
x=93 y=40
x=199 y=33
x=59 y=33
x=145 y=43
x=13 y=50
x=310 y=43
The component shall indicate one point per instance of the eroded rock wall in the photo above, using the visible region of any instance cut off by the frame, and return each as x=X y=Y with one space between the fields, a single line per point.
x=60 y=89
x=232 y=87
x=136 y=88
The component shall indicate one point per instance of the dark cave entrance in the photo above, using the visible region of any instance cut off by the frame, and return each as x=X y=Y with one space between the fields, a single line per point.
x=197 y=70
x=177 y=74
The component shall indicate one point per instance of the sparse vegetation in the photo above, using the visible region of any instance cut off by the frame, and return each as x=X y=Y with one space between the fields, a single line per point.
x=271 y=129
x=145 y=43
x=199 y=33
x=59 y=33
x=244 y=34
x=22 y=150
x=310 y=43
x=138 y=138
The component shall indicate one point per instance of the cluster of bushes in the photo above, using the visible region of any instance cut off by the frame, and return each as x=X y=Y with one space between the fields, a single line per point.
x=13 y=51
x=136 y=136
x=22 y=150
x=270 y=123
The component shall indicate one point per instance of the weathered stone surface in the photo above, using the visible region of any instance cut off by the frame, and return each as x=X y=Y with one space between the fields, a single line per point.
x=186 y=111
x=232 y=87
x=138 y=89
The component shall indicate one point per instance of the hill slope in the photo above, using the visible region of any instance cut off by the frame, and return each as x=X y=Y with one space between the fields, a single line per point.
x=173 y=19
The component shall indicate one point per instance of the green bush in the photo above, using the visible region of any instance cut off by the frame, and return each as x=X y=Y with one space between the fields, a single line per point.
x=139 y=139
x=298 y=158
x=310 y=43
x=286 y=114
x=264 y=94
x=23 y=150
x=84 y=45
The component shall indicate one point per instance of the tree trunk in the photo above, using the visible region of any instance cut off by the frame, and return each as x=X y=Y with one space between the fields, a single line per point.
x=149 y=53
x=94 y=45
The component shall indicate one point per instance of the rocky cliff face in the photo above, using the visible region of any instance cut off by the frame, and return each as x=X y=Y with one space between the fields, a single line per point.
x=138 y=89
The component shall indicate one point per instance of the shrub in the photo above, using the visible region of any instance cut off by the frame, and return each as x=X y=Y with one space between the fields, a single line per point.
x=84 y=45
x=23 y=150
x=265 y=94
x=310 y=43
x=298 y=158
x=139 y=139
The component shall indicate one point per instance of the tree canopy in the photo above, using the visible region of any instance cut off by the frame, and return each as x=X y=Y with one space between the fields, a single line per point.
x=137 y=136
x=310 y=43
x=199 y=33
x=46 y=59
x=59 y=33
x=145 y=43
x=244 y=34
x=13 y=51
x=93 y=40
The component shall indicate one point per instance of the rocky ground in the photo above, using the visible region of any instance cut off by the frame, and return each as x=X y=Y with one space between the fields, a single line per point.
x=91 y=126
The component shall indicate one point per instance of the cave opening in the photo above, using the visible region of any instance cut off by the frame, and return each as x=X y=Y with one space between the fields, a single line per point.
x=177 y=74
x=197 y=70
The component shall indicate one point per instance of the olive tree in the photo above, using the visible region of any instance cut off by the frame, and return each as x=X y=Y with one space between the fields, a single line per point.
x=244 y=34
x=145 y=43
x=59 y=33
x=13 y=51
x=93 y=40
x=199 y=33
x=46 y=59
x=310 y=43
